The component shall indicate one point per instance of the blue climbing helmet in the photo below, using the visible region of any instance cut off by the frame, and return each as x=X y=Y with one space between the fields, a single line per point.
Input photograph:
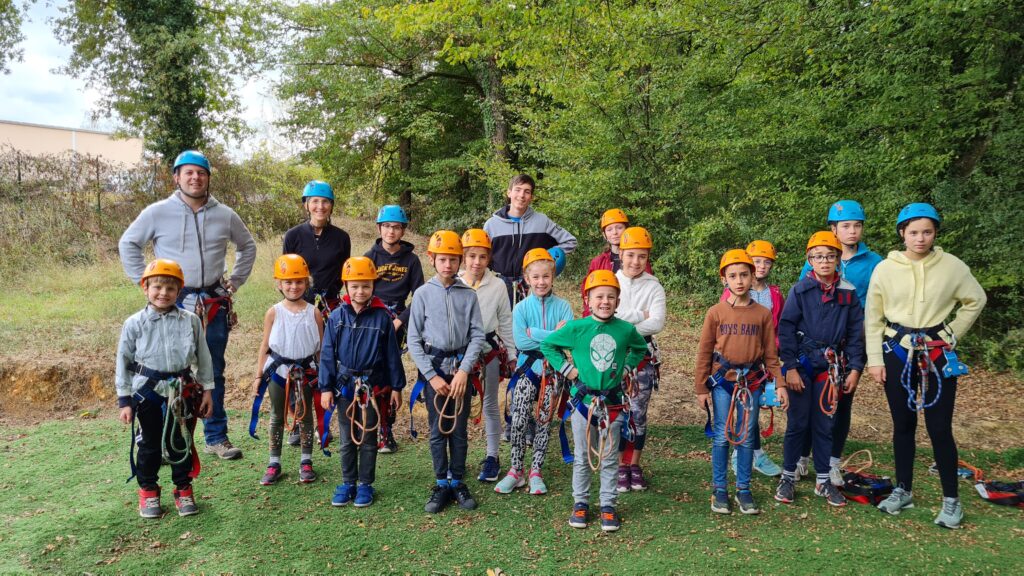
x=318 y=189
x=559 y=256
x=918 y=210
x=392 y=213
x=846 y=210
x=193 y=157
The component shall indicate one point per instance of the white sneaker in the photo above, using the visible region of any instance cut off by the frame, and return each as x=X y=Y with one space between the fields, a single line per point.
x=835 y=475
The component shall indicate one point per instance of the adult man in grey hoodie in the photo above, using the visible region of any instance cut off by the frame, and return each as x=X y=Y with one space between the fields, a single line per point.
x=194 y=229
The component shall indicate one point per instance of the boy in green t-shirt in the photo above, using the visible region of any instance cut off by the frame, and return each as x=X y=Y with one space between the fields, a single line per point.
x=603 y=348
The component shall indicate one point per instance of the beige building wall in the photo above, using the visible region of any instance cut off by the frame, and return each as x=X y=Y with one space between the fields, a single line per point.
x=36 y=139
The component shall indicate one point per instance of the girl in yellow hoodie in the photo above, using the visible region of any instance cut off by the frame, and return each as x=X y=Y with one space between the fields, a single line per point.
x=912 y=293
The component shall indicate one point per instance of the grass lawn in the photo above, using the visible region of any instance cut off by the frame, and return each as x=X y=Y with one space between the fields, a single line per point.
x=66 y=508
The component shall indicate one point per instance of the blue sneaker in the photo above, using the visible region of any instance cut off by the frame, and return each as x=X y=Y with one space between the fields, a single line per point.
x=763 y=464
x=491 y=469
x=364 y=496
x=343 y=495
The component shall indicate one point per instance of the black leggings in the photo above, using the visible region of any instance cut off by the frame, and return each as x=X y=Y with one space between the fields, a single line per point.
x=938 y=421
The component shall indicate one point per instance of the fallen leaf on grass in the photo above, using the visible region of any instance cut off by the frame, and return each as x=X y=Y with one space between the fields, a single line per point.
x=185 y=536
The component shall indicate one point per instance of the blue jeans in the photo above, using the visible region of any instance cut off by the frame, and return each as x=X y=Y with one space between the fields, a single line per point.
x=215 y=428
x=720 y=446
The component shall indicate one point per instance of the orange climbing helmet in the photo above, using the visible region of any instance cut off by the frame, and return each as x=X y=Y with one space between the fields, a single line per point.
x=762 y=248
x=613 y=216
x=635 y=238
x=535 y=255
x=163 y=267
x=476 y=238
x=824 y=238
x=601 y=278
x=291 y=267
x=445 y=242
x=734 y=256
x=358 y=268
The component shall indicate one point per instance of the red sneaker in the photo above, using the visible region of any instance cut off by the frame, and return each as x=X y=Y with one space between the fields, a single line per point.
x=149 y=503
x=184 y=502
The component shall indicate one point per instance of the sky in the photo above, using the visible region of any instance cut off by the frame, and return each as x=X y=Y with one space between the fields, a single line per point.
x=36 y=93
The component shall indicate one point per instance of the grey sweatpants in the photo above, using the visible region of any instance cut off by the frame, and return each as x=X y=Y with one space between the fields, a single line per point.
x=278 y=404
x=492 y=413
x=581 y=473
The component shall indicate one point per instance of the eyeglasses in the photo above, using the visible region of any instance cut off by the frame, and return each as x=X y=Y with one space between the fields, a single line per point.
x=822 y=258
x=392 y=227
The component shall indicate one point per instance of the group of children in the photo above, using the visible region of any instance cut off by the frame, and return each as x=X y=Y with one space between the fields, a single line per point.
x=468 y=328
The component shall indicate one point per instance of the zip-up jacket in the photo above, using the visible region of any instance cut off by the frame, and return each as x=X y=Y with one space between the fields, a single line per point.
x=359 y=342
x=166 y=342
x=606 y=260
x=638 y=295
x=198 y=241
x=920 y=294
x=511 y=240
x=447 y=320
x=398 y=275
x=541 y=316
x=495 y=310
x=602 y=352
x=856 y=270
x=813 y=318
x=324 y=254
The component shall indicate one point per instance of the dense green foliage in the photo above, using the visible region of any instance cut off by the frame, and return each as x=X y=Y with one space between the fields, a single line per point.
x=10 y=34
x=711 y=123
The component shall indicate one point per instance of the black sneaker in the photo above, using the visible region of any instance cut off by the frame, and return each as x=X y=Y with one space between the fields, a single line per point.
x=440 y=498
x=466 y=501
x=786 y=492
x=387 y=445
x=579 y=516
x=610 y=521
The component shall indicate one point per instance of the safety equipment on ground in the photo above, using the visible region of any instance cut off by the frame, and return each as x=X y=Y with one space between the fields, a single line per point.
x=445 y=242
x=635 y=238
x=824 y=238
x=318 y=189
x=163 y=267
x=762 y=249
x=358 y=268
x=735 y=256
x=290 y=267
x=392 y=213
x=846 y=210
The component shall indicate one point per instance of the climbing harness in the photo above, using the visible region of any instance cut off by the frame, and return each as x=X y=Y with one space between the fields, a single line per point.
x=834 y=377
x=550 y=390
x=324 y=304
x=600 y=415
x=996 y=492
x=207 y=302
x=438 y=358
x=861 y=486
x=180 y=409
x=299 y=371
x=363 y=404
x=741 y=381
x=920 y=354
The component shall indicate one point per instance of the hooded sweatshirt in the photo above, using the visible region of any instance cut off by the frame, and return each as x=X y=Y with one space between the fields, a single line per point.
x=398 y=275
x=638 y=295
x=447 y=319
x=355 y=342
x=495 y=310
x=324 y=254
x=197 y=241
x=606 y=260
x=541 y=317
x=920 y=294
x=512 y=238
x=857 y=270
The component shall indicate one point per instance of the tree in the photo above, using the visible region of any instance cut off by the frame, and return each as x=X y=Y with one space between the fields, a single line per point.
x=10 y=34
x=165 y=67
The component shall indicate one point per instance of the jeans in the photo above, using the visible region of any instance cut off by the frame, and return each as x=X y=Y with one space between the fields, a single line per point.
x=215 y=428
x=720 y=399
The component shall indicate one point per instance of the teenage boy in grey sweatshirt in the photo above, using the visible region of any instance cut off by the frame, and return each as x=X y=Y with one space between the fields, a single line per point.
x=194 y=229
x=446 y=337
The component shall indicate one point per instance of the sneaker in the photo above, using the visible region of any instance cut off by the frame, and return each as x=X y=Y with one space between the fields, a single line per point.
x=149 y=503
x=343 y=494
x=745 y=500
x=387 y=445
x=579 y=516
x=623 y=480
x=306 y=473
x=294 y=439
x=490 y=468
x=835 y=476
x=272 y=475
x=636 y=478
x=720 y=502
x=786 y=492
x=465 y=499
x=952 y=514
x=897 y=501
x=184 y=502
x=514 y=479
x=802 y=467
x=440 y=497
x=225 y=450
x=364 y=496
x=831 y=494
x=537 y=485
x=610 y=521
x=764 y=464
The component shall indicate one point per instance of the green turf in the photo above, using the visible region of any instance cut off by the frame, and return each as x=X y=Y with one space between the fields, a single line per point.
x=66 y=508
